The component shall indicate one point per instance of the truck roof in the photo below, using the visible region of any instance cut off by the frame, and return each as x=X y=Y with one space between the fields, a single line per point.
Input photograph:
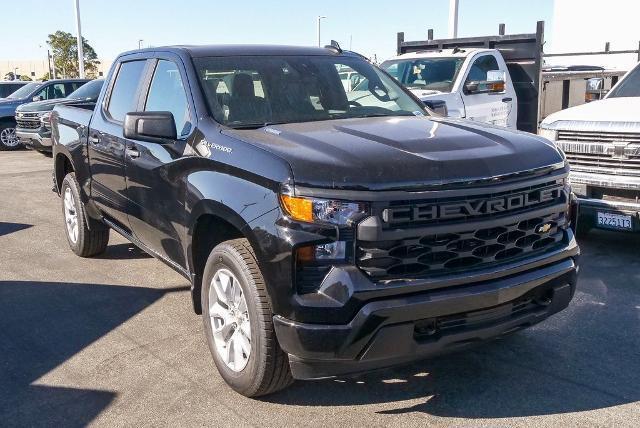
x=445 y=53
x=196 y=51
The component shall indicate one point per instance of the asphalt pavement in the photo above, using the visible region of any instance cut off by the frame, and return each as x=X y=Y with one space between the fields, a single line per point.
x=113 y=341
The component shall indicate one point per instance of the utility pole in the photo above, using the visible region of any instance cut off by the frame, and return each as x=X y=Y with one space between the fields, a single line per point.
x=140 y=43
x=49 y=60
x=453 y=19
x=80 y=50
x=319 y=19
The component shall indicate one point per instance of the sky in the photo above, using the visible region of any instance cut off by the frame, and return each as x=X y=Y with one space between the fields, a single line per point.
x=368 y=27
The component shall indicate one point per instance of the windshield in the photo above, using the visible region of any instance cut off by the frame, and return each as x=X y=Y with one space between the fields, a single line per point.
x=629 y=86
x=436 y=74
x=25 y=90
x=245 y=91
x=89 y=91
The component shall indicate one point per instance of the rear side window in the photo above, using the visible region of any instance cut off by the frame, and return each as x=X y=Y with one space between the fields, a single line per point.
x=481 y=66
x=167 y=94
x=123 y=94
x=51 y=92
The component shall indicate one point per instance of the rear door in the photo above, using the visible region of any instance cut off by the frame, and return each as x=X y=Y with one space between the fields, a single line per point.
x=495 y=108
x=106 y=141
x=154 y=187
x=72 y=86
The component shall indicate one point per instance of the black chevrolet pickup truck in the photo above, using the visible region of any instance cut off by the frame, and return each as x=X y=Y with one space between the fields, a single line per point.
x=321 y=236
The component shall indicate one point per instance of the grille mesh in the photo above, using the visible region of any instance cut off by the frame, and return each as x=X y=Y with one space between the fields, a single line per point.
x=450 y=252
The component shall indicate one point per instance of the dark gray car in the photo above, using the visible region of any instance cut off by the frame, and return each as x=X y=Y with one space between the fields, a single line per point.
x=32 y=91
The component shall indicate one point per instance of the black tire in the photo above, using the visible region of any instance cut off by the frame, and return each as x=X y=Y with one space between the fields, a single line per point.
x=7 y=134
x=267 y=369
x=92 y=236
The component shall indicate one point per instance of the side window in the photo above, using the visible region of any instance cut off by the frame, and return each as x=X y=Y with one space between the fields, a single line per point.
x=167 y=94
x=481 y=66
x=122 y=99
x=50 y=92
x=70 y=87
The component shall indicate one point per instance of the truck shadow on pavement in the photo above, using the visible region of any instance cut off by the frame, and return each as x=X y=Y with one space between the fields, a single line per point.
x=584 y=358
x=8 y=228
x=126 y=251
x=44 y=324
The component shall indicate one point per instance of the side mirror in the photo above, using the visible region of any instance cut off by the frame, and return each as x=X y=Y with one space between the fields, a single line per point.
x=152 y=126
x=595 y=89
x=484 y=87
x=438 y=106
x=37 y=98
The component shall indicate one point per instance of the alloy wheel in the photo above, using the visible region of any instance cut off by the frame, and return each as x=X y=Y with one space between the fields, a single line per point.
x=70 y=215
x=229 y=318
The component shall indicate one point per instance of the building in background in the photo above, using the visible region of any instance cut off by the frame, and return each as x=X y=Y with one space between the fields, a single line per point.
x=36 y=68
x=586 y=25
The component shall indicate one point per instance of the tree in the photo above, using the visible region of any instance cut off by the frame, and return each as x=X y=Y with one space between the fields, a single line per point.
x=25 y=78
x=64 y=49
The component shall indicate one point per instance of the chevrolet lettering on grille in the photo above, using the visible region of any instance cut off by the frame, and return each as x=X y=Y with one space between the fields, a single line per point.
x=471 y=208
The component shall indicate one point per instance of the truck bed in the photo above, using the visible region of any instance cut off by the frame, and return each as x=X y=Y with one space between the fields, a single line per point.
x=72 y=122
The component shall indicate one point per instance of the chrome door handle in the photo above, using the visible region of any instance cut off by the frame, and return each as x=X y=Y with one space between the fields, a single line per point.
x=94 y=140
x=132 y=153
x=507 y=100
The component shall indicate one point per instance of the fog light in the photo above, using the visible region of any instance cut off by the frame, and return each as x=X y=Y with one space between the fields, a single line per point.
x=329 y=251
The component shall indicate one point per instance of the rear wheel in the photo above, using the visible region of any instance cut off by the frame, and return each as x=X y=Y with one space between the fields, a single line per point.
x=238 y=322
x=8 y=138
x=86 y=237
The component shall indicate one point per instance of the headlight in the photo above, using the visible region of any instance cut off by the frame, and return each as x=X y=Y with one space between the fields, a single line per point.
x=549 y=134
x=313 y=210
x=45 y=119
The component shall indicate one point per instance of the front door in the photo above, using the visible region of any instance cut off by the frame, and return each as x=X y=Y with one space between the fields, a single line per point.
x=107 y=145
x=494 y=108
x=155 y=190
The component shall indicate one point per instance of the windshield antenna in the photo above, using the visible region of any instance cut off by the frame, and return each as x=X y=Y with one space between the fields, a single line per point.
x=335 y=46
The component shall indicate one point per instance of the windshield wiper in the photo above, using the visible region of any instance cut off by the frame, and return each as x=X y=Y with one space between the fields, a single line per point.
x=253 y=125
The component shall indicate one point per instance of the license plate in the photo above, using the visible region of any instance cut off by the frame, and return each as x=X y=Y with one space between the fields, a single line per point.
x=614 y=221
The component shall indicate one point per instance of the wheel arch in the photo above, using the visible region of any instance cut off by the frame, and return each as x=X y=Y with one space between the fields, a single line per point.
x=211 y=224
x=61 y=167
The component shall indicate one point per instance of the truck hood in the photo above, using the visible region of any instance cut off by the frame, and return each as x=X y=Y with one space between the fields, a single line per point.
x=45 y=105
x=387 y=153
x=10 y=102
x=425 y=93
x=626 y=109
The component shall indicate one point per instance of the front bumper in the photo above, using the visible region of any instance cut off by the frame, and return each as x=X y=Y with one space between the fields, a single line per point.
x=40 y=140
x=403 y=328
x=588 y=206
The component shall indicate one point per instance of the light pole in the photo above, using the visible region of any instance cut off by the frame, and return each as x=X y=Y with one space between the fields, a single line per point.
x=15 y=73
x=453 y=19
x=140 y=43
x=80 y=50
x=320 y=18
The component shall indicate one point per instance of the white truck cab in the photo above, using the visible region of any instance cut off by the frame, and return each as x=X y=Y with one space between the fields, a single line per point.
x=474 y=83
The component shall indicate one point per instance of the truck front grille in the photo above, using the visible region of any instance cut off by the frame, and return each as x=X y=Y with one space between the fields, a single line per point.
x=450 y=252
x=616 y=153
x=28 y=121
x=445 y=246
x=604 y=163
x=598 y=137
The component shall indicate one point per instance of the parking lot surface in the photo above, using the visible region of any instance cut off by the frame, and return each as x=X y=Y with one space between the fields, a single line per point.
x=113 y=341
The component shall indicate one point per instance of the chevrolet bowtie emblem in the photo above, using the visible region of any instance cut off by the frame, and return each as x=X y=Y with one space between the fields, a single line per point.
x=544 y=228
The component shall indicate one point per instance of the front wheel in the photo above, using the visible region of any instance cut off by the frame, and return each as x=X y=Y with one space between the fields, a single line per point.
x=8 y=138
x=238 y=322
x=86 y=237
